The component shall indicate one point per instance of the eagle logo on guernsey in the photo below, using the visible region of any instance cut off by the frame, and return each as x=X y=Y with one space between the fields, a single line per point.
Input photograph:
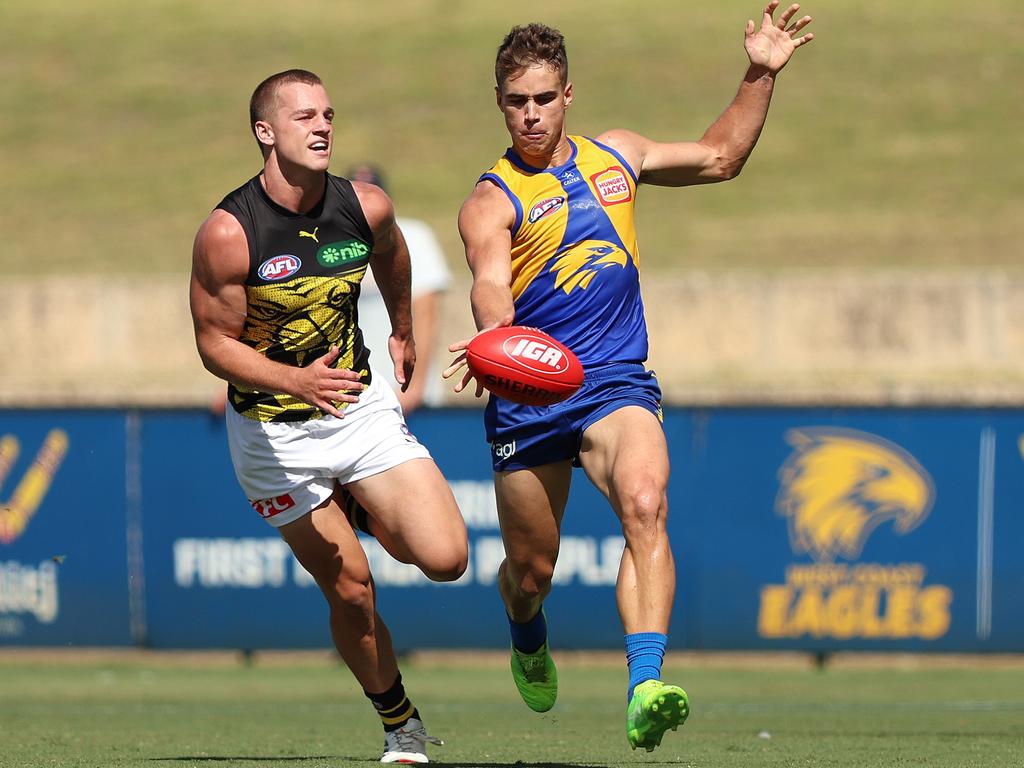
x=840 y=484
x=279 y=267
x=578 y=265
x=612 y=186
x=545 y=208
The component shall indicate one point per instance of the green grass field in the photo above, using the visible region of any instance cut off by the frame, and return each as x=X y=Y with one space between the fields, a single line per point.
x=162 y=712
x=894 y=137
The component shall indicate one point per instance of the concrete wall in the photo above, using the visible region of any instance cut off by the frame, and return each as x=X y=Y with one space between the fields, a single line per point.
x=880 y=337
x=896 y=336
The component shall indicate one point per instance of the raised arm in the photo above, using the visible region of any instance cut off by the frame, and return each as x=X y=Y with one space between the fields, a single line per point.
x=220 y=264
x=721 y=152
x=391 y=272
x=485 y=223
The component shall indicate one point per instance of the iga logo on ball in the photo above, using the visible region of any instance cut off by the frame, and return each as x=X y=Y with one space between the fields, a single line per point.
x=537 y=355
x=524 y=365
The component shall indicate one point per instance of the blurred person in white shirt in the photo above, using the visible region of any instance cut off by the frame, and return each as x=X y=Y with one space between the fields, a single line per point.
x=430 y=279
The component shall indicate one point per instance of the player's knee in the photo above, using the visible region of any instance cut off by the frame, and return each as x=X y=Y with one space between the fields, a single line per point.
x=532 y=578
x=352 y=595
x=447 y=566
x=643 y=509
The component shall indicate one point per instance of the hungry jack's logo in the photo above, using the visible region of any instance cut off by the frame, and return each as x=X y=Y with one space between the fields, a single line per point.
x=17 y=511
x=611 y=186
x=836 y=488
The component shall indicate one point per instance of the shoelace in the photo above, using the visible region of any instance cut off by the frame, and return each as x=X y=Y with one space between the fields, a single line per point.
x=535 y=668
x=410 y=740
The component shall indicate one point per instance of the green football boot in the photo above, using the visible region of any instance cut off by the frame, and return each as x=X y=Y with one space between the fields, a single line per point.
x=654 y=708
x=536 y=678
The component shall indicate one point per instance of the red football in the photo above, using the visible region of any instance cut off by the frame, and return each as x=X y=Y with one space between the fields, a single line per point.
x=524 y=365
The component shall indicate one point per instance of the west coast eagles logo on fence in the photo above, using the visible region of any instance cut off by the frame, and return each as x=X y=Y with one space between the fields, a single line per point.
x=839 y=486
x=26 y=588
x=836 y=489
x=17 y=510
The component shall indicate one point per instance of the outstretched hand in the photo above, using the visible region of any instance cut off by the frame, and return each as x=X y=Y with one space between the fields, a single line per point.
x=458 y=364
x=772 y=46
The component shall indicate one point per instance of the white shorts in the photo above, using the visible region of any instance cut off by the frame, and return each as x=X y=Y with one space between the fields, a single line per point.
x=289 y=468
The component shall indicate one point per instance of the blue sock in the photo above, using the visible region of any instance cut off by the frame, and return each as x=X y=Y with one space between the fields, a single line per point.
x=644 y=653
x=529 y=636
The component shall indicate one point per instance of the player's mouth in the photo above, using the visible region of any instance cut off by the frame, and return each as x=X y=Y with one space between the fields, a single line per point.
x=320 y=147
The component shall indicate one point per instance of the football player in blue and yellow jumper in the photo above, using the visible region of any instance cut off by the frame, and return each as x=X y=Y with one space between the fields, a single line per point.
x=550 y=239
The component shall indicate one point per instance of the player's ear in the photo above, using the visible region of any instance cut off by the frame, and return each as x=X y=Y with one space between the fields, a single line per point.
x=264 y=133
x=497 y=97
x=567 y=94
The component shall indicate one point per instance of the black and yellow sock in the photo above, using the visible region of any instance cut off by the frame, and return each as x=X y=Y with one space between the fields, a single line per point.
x=355 y=512
x=393 y=706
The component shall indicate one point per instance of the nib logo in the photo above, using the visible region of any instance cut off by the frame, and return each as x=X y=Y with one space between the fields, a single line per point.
x=16 y=513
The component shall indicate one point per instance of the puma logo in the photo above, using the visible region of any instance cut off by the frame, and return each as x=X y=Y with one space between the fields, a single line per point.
x=311 y=235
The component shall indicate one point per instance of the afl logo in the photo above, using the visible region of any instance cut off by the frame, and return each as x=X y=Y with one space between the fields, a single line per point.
x=279 y=267
x=545 y=208
x=535 y=355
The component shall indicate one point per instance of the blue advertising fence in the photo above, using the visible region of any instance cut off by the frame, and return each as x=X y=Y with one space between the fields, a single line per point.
x=792 y=528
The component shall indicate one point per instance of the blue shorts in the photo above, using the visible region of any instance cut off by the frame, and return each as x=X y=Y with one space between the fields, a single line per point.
x=524 y=436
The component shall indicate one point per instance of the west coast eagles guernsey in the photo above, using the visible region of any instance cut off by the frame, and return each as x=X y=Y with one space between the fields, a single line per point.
x=574 y=251
x=302 y=289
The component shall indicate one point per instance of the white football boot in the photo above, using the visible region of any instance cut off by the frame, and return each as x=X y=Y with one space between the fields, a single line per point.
x=408 y=744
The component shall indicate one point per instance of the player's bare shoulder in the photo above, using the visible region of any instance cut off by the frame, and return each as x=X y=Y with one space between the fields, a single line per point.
x=219 y=229
x=487 y=208
x=377 y=207
x=629 y=144
x=221 y=248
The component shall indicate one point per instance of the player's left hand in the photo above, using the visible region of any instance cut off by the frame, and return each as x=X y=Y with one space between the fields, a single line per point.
x=772 y=46
x=403 y=355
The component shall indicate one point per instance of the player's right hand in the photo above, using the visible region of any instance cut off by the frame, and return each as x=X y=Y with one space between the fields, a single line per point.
x=321 y=386
x=459 y=363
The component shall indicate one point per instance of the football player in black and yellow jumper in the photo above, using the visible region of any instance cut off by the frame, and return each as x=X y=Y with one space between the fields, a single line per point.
x=313 y=433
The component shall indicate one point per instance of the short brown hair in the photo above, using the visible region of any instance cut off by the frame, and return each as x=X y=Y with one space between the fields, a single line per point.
x=262 y=102
x=531 y=44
